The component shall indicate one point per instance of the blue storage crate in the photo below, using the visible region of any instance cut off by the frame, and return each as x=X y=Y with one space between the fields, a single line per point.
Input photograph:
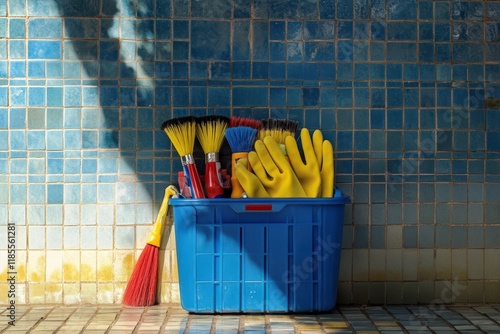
x=258 y=255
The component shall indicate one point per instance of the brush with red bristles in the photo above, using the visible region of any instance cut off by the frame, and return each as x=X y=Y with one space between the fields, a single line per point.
x=142 y=285
x=235 y=121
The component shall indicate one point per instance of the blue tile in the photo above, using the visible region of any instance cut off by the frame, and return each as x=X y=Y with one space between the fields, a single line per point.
x=327 y=9
x=377 y=98
x=345 y=29
x=378 y=30
x=277 y=96
x=16 y=28
x=345 y=50
x=3 y=97
x=210 y=40
x=44 y=28
x=218 y=97
x=295 y=51
x=54 y=96
x=3 y=69
x=242 y=9
x=44 y=49
x=180 y=52
x=467 y=52
x=404 y=52
x=294 y=97
x=17 y=96
x=345 y=10
x=181 y=29
x=16 y=49
x=276 y=71
x=36 y=96
x=277 y=51
x=163 y=29
x=398 y=10
x=426 y=52
x=277 y=30
x=36 y=69
x=467 y=10
x=318 y=51
x=401 y=31
x=260 y=70
x=82 y=27
x=410 y=236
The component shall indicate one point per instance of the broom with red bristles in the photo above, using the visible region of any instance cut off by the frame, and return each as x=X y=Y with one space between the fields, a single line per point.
x=141 y=288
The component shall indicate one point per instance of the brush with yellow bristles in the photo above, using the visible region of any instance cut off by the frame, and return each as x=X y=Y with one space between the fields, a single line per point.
x=210 y=133
x=278 y=129
x=182 y=134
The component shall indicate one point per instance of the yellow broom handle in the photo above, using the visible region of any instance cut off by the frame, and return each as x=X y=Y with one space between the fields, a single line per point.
x=155 y=235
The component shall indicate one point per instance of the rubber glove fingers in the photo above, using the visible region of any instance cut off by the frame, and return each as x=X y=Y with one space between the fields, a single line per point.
x=318 y=146
x=274 y=171
x=249 y=181
x=324 y=155
x=308 y=173
x=327 y=170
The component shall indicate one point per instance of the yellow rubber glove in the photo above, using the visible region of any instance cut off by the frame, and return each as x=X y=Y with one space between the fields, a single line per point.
x=308 y=173
x=324 y=155
x=273 y=170
x=248 y=180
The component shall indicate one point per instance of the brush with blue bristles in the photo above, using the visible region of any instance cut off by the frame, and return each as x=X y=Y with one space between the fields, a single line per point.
x=241 y=140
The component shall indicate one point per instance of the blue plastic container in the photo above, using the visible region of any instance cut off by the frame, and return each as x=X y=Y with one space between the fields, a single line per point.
x=258 y=255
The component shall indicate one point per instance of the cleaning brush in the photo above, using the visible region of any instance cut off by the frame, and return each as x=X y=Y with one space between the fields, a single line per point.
x=278 y=129
x=182 y=134
x=235 y=121
x=241 y=140
x=210 y=133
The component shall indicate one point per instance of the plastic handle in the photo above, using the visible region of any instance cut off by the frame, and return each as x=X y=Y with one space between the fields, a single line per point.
x=193 y=180
x=213 y=187
x=155 y=235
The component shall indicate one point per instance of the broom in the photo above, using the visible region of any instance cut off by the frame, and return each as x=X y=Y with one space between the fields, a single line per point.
x=241 y=140
x=141 y=288
x=182 y=133
x=210 y=133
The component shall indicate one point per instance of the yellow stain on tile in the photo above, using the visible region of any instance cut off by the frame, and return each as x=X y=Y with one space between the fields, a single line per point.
x=105 y=266
x=36 y=266
x=70 y=273
x=165 y=293
x=36 y=293
x=165 y=265
x=123 y=265
x=105 y=293
x=54 y=267
x=53 y=293
x=88 y=270
x=174 y=293
x=174 y=268
x=71 y=266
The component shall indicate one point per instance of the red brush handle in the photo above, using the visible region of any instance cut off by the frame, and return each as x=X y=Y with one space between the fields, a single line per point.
x=213 y=188
x=193 y=180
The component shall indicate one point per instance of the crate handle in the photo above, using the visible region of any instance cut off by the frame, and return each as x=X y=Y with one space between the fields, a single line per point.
x=258 y=207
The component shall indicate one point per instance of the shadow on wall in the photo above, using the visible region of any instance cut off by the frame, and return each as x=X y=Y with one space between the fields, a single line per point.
x=125 y=85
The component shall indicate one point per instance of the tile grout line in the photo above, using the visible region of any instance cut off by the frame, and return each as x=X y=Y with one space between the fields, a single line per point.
x=117 y=316
x=96 y=312
x=45 y=318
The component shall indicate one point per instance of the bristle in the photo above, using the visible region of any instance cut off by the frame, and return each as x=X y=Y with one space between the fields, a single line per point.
x=244 y=121
x=279 y=129
x=182 y=133
x=141 y=288
x=241 y=138
x=210 y=132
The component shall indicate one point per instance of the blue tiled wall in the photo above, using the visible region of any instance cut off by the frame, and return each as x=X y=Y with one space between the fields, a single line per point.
x=408 y=91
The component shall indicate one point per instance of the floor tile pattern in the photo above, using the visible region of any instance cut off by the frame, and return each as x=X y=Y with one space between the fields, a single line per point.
x=170 y=319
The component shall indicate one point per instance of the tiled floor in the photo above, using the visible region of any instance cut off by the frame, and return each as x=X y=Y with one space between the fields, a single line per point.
x=172 y=319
